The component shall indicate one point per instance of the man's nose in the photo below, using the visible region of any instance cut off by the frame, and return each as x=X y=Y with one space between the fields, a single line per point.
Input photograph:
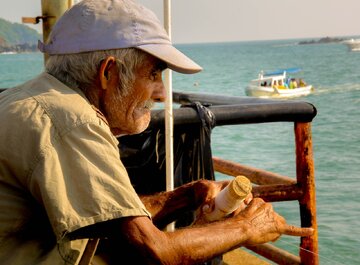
x=159 y=94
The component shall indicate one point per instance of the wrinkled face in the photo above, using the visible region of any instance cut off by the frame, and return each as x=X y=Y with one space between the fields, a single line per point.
x=130 y=114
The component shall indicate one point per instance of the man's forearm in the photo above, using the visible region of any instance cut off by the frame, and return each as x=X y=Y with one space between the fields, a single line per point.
x=166 y=207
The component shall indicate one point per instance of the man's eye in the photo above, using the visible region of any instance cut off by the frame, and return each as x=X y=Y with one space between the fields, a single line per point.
x=154 y=75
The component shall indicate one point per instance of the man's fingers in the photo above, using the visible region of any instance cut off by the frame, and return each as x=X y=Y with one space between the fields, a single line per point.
x=292 y=230
x=223 y=183
x=248 y=198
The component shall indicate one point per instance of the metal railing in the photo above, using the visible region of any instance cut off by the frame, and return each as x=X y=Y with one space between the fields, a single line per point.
x=270 y=186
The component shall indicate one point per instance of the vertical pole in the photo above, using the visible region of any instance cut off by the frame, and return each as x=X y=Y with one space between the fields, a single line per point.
x=52 y=10
x=306 y=180
x=168 y=112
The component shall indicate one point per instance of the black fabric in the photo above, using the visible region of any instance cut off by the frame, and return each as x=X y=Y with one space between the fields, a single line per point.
x=144 y=154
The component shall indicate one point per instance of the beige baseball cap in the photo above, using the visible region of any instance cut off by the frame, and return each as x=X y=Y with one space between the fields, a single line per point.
x=93 y=25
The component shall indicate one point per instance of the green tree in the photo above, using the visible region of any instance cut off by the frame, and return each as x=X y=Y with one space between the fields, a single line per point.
x=17 y=34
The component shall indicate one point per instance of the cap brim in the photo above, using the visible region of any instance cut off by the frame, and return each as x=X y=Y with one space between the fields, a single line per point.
x=175 y=59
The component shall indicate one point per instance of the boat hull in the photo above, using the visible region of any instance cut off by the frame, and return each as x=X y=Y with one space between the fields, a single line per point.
x=270 y=92
x=353 y=45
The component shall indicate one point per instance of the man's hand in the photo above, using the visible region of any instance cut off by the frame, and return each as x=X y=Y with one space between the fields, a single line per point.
x=207 y=206
x=266 y=225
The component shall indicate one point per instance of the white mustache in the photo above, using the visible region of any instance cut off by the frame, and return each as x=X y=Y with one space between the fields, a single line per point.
x=149 y=104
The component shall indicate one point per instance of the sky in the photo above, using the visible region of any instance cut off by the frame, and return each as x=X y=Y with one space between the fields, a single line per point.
x=199 y=21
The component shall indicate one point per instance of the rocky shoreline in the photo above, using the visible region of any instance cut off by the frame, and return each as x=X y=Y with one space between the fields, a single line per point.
x=19 y=48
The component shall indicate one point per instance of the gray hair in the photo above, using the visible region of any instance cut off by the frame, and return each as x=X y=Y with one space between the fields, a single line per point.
x=80 y=70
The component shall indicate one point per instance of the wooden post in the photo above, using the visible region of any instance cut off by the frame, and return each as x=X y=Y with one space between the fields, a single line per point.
x=51 y=11
x=306 y=180
x=169 y=119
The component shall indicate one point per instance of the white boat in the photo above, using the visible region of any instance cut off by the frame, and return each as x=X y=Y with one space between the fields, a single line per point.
x=278 y=84
x=7 y=52
x=353 y=44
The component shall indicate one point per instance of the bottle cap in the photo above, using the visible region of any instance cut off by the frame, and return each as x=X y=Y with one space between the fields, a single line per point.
x=240 y=187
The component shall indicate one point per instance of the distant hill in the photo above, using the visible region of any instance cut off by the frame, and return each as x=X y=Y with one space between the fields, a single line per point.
x=17 y=37
x=323 y=40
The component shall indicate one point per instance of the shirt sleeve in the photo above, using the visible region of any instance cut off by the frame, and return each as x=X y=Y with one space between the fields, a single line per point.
x=81 y=180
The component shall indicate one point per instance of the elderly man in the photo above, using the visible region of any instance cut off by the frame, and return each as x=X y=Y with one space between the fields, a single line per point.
x=61 y=178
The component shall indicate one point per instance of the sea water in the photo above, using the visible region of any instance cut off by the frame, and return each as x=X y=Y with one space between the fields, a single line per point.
x=335 y=74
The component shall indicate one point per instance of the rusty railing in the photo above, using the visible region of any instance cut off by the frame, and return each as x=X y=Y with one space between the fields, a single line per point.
x=270 y=186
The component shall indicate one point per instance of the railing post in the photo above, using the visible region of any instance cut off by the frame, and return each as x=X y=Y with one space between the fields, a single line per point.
x=306 y=180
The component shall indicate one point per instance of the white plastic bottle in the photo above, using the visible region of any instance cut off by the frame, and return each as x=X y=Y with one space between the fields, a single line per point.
x=229 y=199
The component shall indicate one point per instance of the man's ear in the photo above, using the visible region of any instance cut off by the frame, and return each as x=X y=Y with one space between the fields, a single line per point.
x=107 y=72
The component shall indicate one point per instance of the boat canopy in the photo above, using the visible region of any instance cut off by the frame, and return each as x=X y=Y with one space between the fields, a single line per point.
x=281 y=71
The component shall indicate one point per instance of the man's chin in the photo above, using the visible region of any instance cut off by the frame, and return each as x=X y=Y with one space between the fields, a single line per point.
x=130 y=131
x=139 y=128
x=142 y=123
x=133 y=126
